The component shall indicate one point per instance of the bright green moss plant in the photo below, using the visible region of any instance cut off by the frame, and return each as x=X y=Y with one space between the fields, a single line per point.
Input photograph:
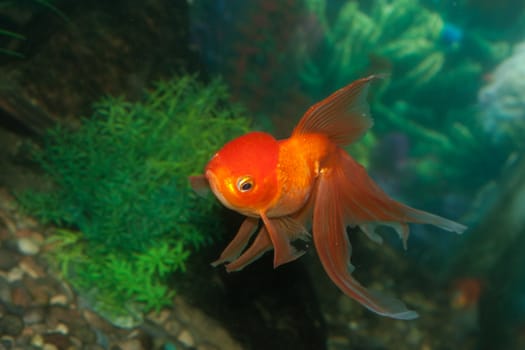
x=121 y=197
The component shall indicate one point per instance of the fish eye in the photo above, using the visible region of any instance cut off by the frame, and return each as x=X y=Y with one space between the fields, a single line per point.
x=244 y=183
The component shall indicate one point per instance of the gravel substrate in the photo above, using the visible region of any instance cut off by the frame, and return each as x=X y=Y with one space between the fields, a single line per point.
x=38 y=310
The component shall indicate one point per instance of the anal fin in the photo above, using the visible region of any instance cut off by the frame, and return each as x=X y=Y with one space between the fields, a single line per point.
x=239 y=242
x=281 y=230
x=260 y=245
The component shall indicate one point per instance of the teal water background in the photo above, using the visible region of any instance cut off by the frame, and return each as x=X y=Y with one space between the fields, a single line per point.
x=449 y=116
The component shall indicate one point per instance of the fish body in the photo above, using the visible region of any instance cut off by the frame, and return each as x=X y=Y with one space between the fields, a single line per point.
x=308 y=180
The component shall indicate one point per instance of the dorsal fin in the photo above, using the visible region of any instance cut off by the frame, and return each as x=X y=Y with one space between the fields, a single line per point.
x=343 y=116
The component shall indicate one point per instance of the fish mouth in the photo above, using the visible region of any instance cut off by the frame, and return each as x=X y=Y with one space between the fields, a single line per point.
x=214 y=182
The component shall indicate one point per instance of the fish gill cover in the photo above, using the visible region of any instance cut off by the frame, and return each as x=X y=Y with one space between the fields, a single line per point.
x=121 y=181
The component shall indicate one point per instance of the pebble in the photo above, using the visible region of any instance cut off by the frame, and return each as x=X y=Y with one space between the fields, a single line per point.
x=8 y=259
x=84 y=333
x=128 y=344
x=186 y=338
x=4 y=232
x=39 y=291
x=31 y=330
x=15 y=274
x=20 y=296
x=37 y=340
x=7 y=223
x=25 y=232
x=207 y=347
x=335 y=342
x=62 y=328
x=59 y=299
x=7 y=201
x=11 y=325
x=33 y=315
x=354 y=326
x=95 y=320
x=5 y=290
x=61 y=341
x=41 y=311
x=31 y=268
x=28 y=246
x=57 y=314
x=8 y=341
x=76 y=343
x=159 y=317
x=173 y=327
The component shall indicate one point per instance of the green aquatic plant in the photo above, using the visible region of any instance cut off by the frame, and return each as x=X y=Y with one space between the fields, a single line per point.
x=402 y=32
x=119 y=286
x=400 y=36
x=436 y=70
x=120 y=180
x=12 y=35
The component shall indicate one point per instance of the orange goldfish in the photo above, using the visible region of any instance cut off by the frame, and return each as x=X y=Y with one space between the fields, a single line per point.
x=309 y=179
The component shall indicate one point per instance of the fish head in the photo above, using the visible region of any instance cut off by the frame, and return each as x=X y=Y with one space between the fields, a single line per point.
x=243 y=173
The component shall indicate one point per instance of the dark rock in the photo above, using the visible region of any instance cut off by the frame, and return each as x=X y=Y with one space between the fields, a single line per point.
x=11 y=325
x=31 y=267
x=104 y=48
x=41 y=289
x=94 y=347
x=144 y=338
x=82 y=331
x=8 y=259
x=78 y=326
x=20 y=295
x=128 y=344
x=5 y=290
x=7 y=342
x=57 y=314
x=61 y=341
x=112 y=48
x=33 y=315
x=261 y=307
x=4 y=232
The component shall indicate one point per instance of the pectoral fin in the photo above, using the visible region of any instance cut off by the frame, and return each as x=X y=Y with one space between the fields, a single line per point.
x=200 y=184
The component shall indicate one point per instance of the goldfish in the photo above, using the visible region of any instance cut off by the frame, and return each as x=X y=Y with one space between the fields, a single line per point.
x=308 y=180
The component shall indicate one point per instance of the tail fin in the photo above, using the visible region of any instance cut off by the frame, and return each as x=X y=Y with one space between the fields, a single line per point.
x=333 y=248
x=366 y=203
x=345 y=195
x=343 y=116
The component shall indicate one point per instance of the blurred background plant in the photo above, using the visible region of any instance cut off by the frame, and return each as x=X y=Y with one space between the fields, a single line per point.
x=402 y=32
x=12 y=13
x=437 y=56
x=120 y=195
x=502 y=101
x=428 y=127
x=253 y=44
